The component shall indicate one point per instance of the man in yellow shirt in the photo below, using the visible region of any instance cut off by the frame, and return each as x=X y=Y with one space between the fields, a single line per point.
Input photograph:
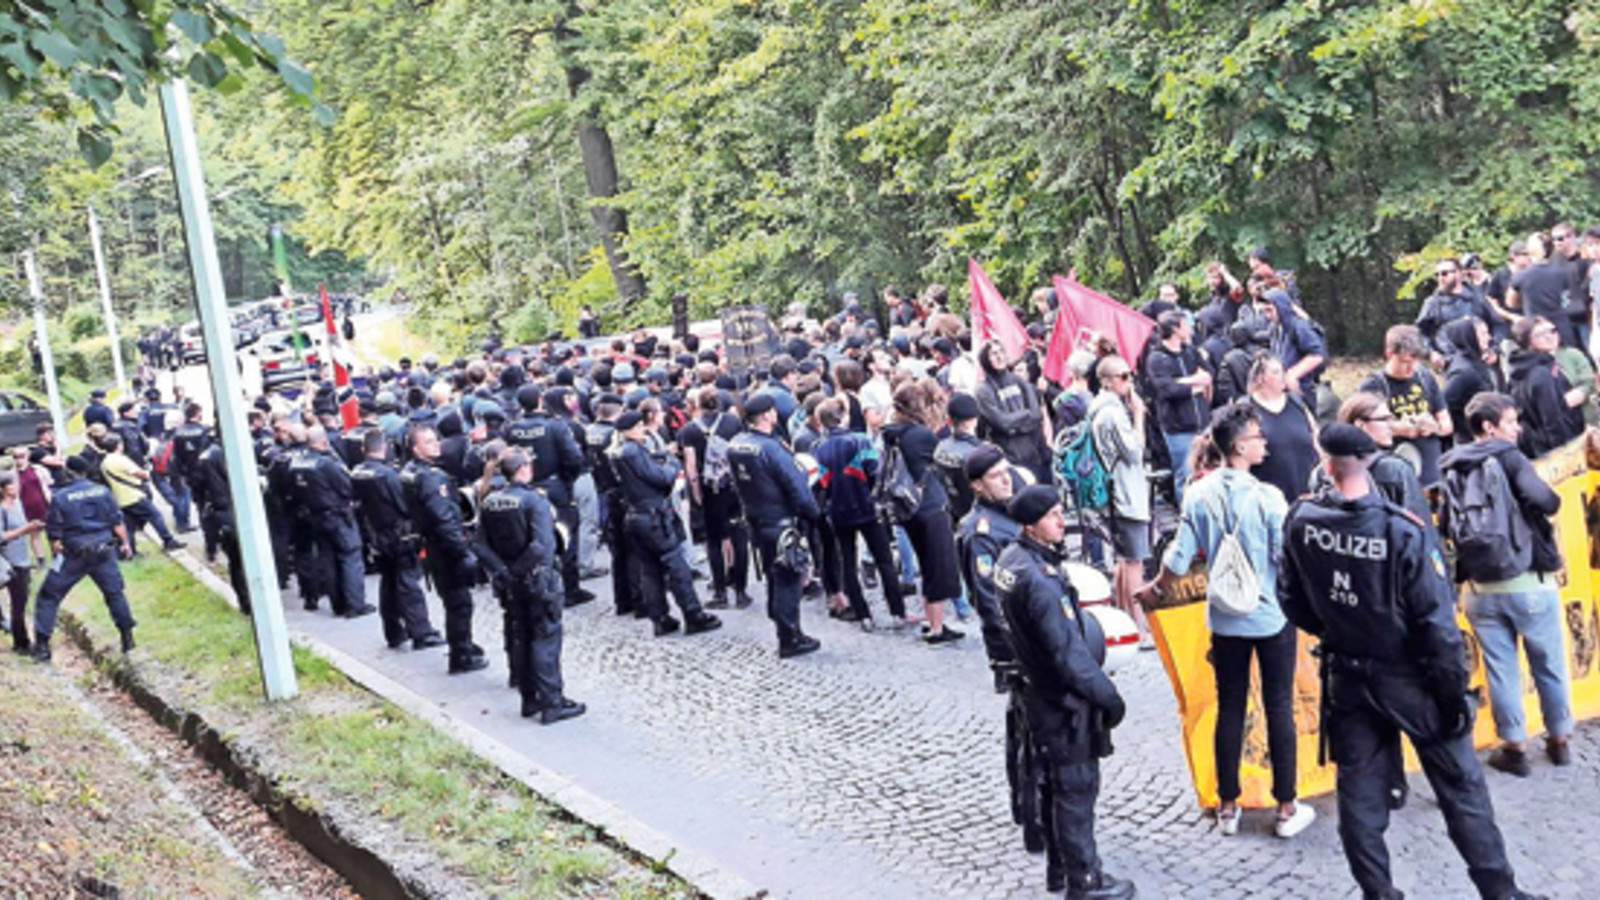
x=127 y=481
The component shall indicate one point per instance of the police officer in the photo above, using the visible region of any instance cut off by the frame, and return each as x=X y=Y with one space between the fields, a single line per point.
x=322 y=489
x=86 y=535
x=659 y=547
x=1071 y=704
x=778 y=504
x=97 y=412
x=210 y=487
x=311 y=568
x=517 y=542
x=353 y=442
x=983 y=534
x=1368 y=579
x=436 y=513
x=599 y=439
x=393 y=543
x=188 y=440
x=950 y=456
x=557 y=463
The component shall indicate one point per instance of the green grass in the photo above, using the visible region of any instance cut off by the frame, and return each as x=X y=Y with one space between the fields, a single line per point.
x=340 y=742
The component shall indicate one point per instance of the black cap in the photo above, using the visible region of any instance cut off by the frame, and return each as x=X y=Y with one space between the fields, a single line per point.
x=1340 y=439
x=1035 y=501
x=77 y=465
x=981 y=460
x=528 y=396
x=629 y=420
x=153 y=395
x=125 y=407
x=759 y=404
x=98 y=393
x=962 y=407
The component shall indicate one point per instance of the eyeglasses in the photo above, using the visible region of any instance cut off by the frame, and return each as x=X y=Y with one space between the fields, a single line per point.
x=1385 y=417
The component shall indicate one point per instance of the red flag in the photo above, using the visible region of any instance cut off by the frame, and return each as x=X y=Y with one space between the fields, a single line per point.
x=349 y=406
x=1080 y=310
x=992 y=316
x=1061 y=344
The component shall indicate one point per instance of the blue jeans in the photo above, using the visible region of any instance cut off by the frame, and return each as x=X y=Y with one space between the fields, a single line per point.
x=1535 y=616
x=176 y=492
x=1178 y=449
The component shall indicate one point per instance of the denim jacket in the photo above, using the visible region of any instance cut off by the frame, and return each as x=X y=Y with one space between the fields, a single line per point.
x=1259 y=511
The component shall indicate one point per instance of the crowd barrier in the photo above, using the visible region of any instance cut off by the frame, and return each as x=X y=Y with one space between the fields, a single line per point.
x=1178 y=622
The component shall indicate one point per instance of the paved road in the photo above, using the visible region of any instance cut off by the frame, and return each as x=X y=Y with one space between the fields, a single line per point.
x=874 y=767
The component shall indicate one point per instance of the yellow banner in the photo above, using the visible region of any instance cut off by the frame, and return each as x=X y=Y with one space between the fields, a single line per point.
x=1179 y=623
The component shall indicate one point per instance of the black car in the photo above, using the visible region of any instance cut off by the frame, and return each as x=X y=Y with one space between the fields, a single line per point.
x=20 y=416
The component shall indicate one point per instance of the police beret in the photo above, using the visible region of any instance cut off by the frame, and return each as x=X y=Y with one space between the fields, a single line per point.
x=962 y=407
x=78 y=465
x=153 y=395
x=488 y=410
x=622 y=373
x=528 y=396
x=98 y=393
x=759 y=404
x=608 y=397
x=981 y=460
x=1340 y=439
x=629 y=420
x=124 y=406
x=1035 y=501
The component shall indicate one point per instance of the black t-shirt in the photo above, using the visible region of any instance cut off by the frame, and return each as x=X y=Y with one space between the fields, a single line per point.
x=1291 y=448
x=1543 y=289
x=1417 y=396
x=693 y=435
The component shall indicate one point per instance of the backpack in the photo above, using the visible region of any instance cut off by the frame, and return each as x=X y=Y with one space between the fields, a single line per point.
x=896 y=494
x=1079 y=469
x=1231 y=585
x=716 y=473
x=1485 y=522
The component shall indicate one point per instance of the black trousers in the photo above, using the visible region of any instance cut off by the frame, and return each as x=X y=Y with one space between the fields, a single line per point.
x=221 y=524
x=458 y=620
x=1230 y=657
x=1367 y=714
x=662 y=559
x=567 y=515
x=825 y=552
x=310 y=565
x=724 y=519
x=533 y=644
x=1024 y=772
x=339 y=544
x=1072 y=785
x=401 y=604
x=783 y=587
x=881 y=546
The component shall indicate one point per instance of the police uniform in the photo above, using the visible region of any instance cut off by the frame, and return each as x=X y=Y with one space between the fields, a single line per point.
x=82 y=522
x=322 y=490
x=280 y=523
x=393 y=542
x=1071 y=704
x=775 y=498
x=557 y=463
x=436 y=514
x=518 y=546
x=188 y=440
x=950 y=461
x=1369 y=581
x=658 y=550
x=614 y=513
x=310 y=565
x=211 y=493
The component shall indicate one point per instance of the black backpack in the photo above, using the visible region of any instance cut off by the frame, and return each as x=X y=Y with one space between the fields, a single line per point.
x=1492 y=538
x=896 y=494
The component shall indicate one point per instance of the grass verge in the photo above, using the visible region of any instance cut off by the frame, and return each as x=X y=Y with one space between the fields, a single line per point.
x=339 y=746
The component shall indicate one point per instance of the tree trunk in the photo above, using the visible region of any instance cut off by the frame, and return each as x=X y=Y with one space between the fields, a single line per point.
x=600 y=171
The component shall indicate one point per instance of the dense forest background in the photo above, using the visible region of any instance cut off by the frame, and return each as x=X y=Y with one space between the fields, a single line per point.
x=503 y=162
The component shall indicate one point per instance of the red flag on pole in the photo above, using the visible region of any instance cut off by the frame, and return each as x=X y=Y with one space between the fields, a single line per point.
x=349 y=406
x=1080 y=310
x=992 y=316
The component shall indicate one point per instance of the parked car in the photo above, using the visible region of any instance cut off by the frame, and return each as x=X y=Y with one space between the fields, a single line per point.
x=20 y=416
x=280 y=367
x=191 y=344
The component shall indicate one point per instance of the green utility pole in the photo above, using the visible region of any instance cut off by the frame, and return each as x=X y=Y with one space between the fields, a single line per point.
x=261 y=577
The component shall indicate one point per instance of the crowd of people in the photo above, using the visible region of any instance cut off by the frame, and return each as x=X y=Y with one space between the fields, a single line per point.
x=887 y=450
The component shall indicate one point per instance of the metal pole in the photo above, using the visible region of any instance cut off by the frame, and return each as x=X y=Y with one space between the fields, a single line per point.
x=105 y=299
x=47 y=360
x=255 y=545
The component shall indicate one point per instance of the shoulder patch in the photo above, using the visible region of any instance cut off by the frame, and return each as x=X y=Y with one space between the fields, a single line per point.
x=982 y=525
x=1004 y=578
x=444 y=490
x=985 y=565
x=1066 y=607
x=1437 y=559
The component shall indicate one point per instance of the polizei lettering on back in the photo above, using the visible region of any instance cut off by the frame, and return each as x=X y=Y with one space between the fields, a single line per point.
x=1355 y=546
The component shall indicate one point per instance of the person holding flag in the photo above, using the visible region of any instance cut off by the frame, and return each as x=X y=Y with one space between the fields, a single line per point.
x=1011 y=415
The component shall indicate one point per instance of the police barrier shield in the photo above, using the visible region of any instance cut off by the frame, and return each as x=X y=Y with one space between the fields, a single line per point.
x=1178 y=622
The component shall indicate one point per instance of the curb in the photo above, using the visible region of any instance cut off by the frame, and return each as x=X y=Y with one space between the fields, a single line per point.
x=611 y=822
x=366 y=871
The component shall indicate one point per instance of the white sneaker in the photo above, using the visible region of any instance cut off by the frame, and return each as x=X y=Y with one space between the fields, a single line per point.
x=1228 y=825
x=1300 y=821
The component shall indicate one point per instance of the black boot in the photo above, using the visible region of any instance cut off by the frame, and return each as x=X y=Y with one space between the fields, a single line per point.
x=1100 y=886
x=41 y=651
x=467 y=661
x=719 y=599
x=665 y=625
x=702 y=622
x=741 y=600
x=564 y=709
x=127 y=641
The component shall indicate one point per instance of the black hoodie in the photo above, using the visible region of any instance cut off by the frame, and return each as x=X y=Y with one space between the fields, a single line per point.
x=1536 y=499
x=1539 y=388
x=1466 y=376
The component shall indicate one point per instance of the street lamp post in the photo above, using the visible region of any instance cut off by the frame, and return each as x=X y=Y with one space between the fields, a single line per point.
x=47 y=360
x=105 y=300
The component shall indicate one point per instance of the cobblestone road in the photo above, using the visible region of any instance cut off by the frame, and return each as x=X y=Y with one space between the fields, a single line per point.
x=874 y=767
